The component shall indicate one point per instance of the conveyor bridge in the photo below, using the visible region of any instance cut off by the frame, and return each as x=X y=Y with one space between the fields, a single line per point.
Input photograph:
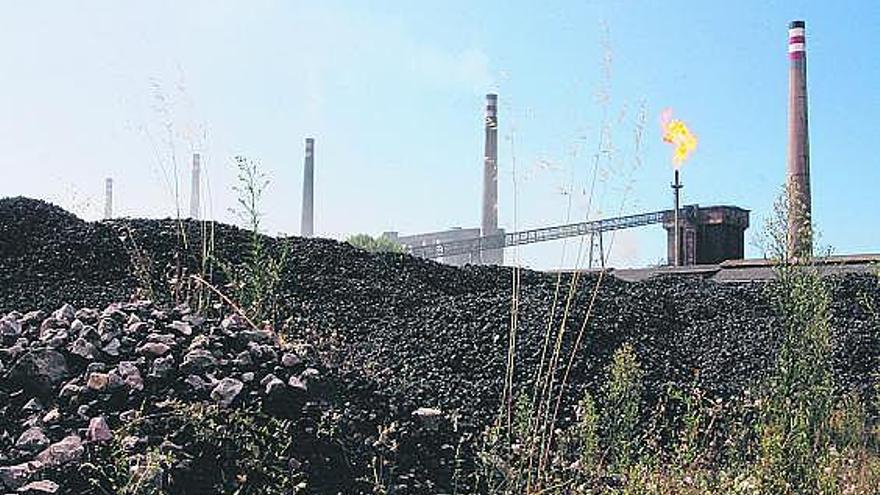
x=478 y=244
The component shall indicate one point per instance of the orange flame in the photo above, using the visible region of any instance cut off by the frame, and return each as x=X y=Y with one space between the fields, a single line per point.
x=676 y=133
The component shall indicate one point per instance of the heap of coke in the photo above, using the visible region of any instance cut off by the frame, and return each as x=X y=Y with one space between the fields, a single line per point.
x=389 y=334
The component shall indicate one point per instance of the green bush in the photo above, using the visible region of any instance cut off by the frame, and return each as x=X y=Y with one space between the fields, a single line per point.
x=623 y=395
x=379 y=244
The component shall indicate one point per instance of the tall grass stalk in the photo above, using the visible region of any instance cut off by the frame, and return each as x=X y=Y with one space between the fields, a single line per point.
x=507 y=394
x=140 y=262
x=545 y=421
x=544 y=409
x=257 y=280
x=638 y=135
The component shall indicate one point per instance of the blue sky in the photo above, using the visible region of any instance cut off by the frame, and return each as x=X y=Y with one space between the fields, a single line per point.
x=393 y=93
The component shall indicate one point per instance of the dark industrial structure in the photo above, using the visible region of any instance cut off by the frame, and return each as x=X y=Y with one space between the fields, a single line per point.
x=706 y=235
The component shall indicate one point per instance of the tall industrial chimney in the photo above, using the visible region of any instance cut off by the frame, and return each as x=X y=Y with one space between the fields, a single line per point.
x=196 y=182
x=108 y=198
x=800 y=232
x=489 y=224
x=308 y=205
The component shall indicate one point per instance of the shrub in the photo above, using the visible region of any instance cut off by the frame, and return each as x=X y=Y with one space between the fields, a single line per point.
x=623 y=393
x=379 y=244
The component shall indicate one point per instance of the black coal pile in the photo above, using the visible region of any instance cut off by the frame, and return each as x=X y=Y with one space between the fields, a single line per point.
x=48 y=256
x=414 y=352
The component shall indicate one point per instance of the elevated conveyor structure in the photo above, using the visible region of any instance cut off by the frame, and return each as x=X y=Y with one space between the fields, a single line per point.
x=478 y=244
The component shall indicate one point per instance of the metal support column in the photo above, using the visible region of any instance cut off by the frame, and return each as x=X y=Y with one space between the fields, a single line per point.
x=596 y=245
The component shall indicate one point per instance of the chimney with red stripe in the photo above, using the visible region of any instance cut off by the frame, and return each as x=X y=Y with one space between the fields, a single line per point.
x=800 y=232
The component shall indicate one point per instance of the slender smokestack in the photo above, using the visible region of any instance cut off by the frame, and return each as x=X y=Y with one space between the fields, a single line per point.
x=800 y=233
x=308 y=206
x=489 y=224
x=490 y=168
x=108 y=199
x=196 y=182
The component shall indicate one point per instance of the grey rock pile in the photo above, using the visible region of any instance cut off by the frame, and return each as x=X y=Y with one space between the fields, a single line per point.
x=75 y=376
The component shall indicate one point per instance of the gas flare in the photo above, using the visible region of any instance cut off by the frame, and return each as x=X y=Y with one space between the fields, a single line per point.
x=676 y=133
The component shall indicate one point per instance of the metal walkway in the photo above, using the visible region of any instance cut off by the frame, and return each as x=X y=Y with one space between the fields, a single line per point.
x=478 y=244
